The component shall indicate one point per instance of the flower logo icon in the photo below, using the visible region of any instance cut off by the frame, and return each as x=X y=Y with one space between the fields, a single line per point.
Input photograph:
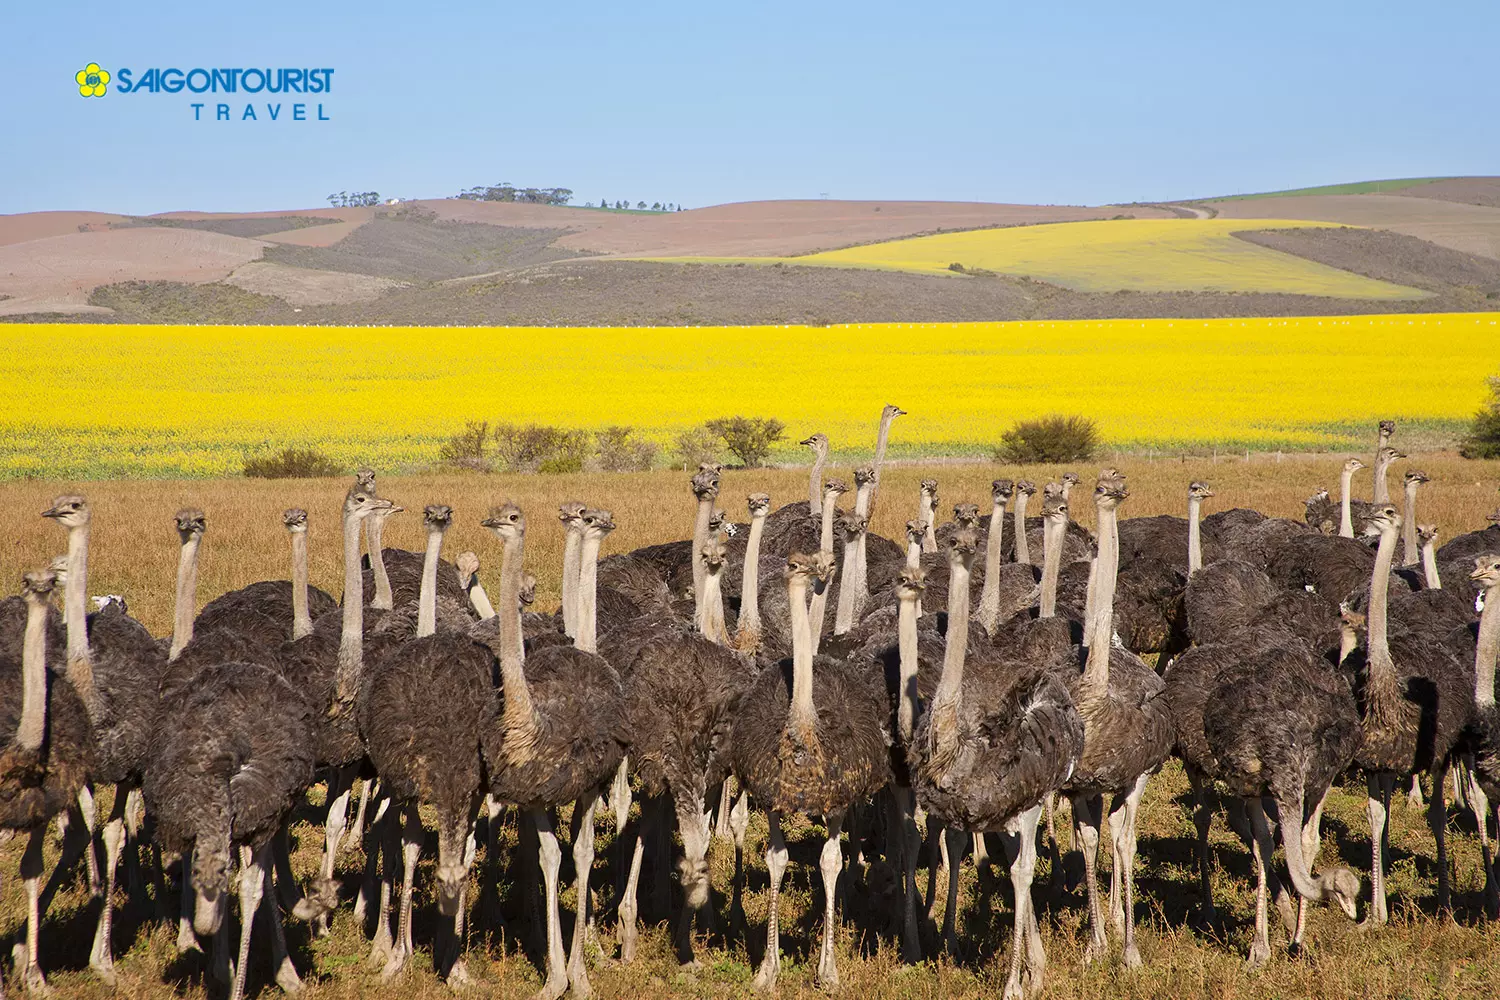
x=92 y=81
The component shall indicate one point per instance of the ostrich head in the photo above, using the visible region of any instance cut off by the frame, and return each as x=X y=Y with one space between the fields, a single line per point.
x=360 y=503
x=1389 y=454
x=1387 y=428
x=527 y=596
x=916 y=530
x=59 y=568
x=294 y=519
x=1426 y=534
x=818 y=443
x=1384 y=518
x=570 y=512
x=864 y=475
x=1493 y=516
x=1486 y=570
x=930 y=490
x=69 y=510
x=1353 y=465
x=597 y=523
x=1109 y=493
x=705 y=483
x=713 y=555
x=506 y=521
x=911 y=583
x=834 y=488
x=38 y=584
x=1069 y=480
x=962 y=545
x=1349 y=618
x=1025 y=487
x=1053 y=490
x=437 y=517
x=1341 y=886
x=190 y=522
x=365 y=479
x=1111 y=475
x=759 y=504
x=716 y=519
x=1055 y=507
x=851 y=526
x=1200 y=491
x=1001 y=490
x=468 y=567
x=891 y=412
x=966 y=514
x=1415 y=476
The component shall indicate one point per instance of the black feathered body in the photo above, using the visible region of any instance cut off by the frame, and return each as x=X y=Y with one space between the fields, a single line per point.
x=1417 y=724
x=128 y=665
x=34 y=787
x=1127 y=728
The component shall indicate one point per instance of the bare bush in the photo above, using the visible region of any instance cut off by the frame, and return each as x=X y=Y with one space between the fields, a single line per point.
x=1051 y=439
x=748 y=438
x=291 y=463
x=540 y=448
x=621 y=451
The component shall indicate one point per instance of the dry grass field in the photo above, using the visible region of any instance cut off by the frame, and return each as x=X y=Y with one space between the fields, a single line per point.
x=1419 y=955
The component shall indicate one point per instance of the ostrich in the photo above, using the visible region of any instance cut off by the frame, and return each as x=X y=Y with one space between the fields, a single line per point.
x=818 y=611
x=811 y=739
x=819 y=445
x=1175 y=542
x=1415 y=699
x=888 y=414
x=117 y=668
x=1412 y=479
x=864 y=494
x=423 y=711
x=992 y=745
x=570 y=512
x=1346 y=498
x=226 y=775
x=1127 y=736
x=326 y=666
x=1282 y=726
x=927 y=513
x=1427 y=538
x=47 y=756
x=1024 y=488
x=383 y=598
x=559 y=738
x=1482 y=736
x=747 y=622
x=1015 y=581
x=1383 y=459
x=468 y=576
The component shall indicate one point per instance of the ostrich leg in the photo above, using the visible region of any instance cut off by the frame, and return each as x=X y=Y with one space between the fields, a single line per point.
x=583 y=862
x=1086 y=809
x=411 y=851
x=281 y=959
x=628 y=913
x=90 y=815
x=252 y=880
x=1312 y=842
x=954 y=838
x=739 y=823
x=1023 y=960
x=551 y=863
x=100 y=958
x=26 y=962
x=910 y=842
x=721 y=814
x=1130 y=955
x=692 y=821
x=830 y=863
x=386 y=843
x=186 y=939
x=1378 y=807
x=340 y=784
x=1437 y=821
x=1260 y=944
x=1202 y=820
x=776 y=859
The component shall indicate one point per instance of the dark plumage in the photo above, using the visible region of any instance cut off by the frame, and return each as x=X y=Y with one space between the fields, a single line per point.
x=1163 y=538
x=1332 y=566
x=261 y=612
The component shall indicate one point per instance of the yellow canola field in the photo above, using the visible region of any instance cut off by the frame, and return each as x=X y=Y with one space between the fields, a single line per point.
x=1143 y=255
x=162 y=401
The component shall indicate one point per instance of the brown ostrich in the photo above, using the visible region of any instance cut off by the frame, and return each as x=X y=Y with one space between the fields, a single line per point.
x=1415 y=698
x=810 y=737
x=47 y=756
x=819 y=445
x=927 y=513
x=1024 y=489
x=570 y=512
x=1410 y=549
x=747 y=624
x=992 y=745
x=1482 y=735
x=559 y=739
x=1383 y=460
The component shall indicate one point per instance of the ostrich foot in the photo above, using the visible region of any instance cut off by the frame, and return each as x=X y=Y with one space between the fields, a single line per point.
x=828 y=978
x=765 y=977
x=382 y=950
x=287 y=978
x=553 y=990
x=1095 y=950
x=394 y=965
x=32 y=979
x=1260 y=954
x=459 y=978
x=103 y=967
x=1131 y=956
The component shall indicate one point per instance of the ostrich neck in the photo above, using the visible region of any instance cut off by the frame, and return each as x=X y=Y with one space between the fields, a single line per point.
x=375 y=531
x=481 y=601
x=572 y=546
x=749 y=619
x=945 y=701
x=1430 y=567
x=700 y=536
x=187 y=596
x=1052 y=543
x=1348 y=642
x=815 y=485
x=880 y=440
x=1409 y=527
x=427 y=595
x=861 y=575
x=711 y=617
x=1382 y=486
x=843 y=618
x=801 y=714
x=989 y=598
x=927 y=513
x=825 y=530
x=914 y=549
x=1380 y=582
x=512 y=651
x=351 y=639
x=862 y=496
x=301 y=616
x=587 y=638
x=1023 y=549
x=1195 y=536
x=1487 y=650
x=906 y=638
x=1091 y=596
x=1096 y=671
x=1346 y=517
x=33 y=725
x=80 y=667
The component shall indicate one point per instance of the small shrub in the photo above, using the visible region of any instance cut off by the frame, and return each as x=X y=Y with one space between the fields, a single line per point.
x=467 y=448
x=748 y=438
x=955 y=266
x=540 y=448
x=697 y=445
x=620 y=450
x=1052 y=439
x=1483 y=439
x=291 y=463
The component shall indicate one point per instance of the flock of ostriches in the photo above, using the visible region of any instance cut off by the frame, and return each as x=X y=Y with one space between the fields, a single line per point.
x=1292 y=653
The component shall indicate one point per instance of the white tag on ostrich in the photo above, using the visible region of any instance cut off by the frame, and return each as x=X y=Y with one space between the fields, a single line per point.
x=1309 y=588
x=730 y=529
x=1479 y=602
x=104 y=601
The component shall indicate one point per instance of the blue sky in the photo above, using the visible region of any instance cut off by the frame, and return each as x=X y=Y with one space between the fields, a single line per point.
x=1087 y=102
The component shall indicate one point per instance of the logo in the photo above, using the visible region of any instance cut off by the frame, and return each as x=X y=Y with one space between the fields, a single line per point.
x=92 y=81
